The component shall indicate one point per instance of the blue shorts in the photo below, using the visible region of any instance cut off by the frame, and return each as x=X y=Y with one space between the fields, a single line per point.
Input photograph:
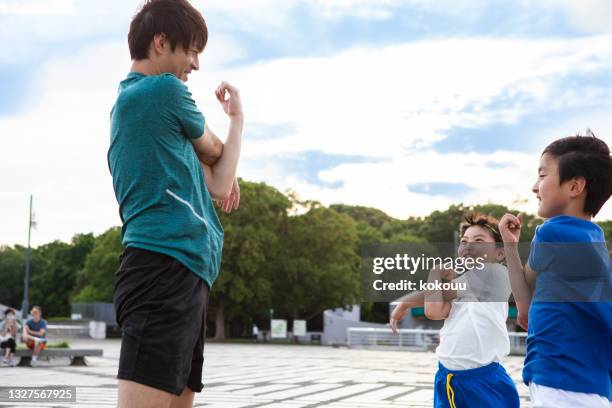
x=482 y=387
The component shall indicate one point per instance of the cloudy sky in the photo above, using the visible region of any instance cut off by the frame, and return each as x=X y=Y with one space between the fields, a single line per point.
x=403 y=105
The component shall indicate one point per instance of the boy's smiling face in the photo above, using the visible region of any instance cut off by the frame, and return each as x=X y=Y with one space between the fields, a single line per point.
x=554 y=197
x=479 y=242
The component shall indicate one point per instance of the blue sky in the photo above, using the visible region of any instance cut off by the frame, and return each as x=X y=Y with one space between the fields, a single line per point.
x=403 y=105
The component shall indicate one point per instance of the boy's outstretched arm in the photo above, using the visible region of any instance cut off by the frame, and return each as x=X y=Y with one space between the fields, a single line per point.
x=417 y=299
x=436 y=307
x=510 y=229
x=414 y=299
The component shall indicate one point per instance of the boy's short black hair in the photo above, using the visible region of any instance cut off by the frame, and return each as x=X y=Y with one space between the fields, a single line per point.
x=489 y=223
x=181 y=23
x=8 y=310
x=587 y=157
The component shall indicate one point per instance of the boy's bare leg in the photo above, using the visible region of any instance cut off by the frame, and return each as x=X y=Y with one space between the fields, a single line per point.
x=37 y=347
x=135 y=395
x=185 y=400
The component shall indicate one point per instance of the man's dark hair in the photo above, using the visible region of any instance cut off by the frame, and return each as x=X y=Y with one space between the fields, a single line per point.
x=8 y=311
x=489 y=223
x=177 y=19
x=587 y=157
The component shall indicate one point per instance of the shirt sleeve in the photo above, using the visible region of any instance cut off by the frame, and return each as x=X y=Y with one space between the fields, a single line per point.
x=183 y=108
x=541 y=254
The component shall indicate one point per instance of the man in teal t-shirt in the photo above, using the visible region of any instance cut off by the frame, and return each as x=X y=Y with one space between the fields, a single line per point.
x=167 y=168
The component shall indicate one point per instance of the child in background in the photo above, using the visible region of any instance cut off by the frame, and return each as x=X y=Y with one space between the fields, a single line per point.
x=569 y=343
x=8 y=336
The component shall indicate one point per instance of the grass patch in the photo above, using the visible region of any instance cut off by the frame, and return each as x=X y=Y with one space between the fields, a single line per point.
x=58 y=319
x=59 y=344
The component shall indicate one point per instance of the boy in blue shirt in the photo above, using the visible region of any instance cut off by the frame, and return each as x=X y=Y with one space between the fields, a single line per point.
x=563 y=293
x=35 y=333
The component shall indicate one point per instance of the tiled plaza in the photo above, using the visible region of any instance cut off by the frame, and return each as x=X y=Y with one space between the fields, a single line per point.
x=250 y=375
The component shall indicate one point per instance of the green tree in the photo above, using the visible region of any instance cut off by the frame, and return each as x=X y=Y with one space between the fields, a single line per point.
x=12 y=270
x=251 y=251
x=320 y=265
x=95 y=282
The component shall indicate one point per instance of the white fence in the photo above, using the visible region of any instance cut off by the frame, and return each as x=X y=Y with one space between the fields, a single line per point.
x=414 y=339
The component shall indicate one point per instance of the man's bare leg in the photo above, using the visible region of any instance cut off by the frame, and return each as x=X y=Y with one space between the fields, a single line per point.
x=135 y=395
x=185 y=400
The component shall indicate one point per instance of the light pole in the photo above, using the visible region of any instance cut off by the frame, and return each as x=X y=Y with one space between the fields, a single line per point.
x=26 y=280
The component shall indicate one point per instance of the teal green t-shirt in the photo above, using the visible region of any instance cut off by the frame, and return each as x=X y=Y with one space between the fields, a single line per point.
x=159 y=184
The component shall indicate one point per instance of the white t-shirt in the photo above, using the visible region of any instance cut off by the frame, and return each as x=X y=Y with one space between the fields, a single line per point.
x=547 y=397
x=474 y=333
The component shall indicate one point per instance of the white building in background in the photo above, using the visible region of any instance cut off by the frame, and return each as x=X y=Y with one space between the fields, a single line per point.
x=337 y=321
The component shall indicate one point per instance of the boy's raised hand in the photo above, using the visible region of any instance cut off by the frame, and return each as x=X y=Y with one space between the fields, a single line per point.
x=510 y=228
x=398 y=314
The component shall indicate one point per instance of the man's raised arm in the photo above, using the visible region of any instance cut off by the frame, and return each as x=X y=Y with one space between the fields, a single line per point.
x=208 y=148
x=219 y=160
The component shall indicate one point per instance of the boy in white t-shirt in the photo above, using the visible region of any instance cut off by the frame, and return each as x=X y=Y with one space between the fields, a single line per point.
x=474 y=337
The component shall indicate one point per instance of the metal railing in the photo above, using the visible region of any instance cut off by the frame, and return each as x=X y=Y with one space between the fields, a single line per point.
x=64 y=331
x=99 y=311
x=415 y=339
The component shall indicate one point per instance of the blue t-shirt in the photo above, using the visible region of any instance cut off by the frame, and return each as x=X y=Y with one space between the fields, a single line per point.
x=569 y=343
x=36 y=326
x=158 y=180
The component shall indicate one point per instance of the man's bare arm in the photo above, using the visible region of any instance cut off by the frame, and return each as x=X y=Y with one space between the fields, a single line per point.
x=220 y=161
x=208 y=147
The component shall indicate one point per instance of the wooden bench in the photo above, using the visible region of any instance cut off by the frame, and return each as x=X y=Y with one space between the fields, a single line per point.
x=77 y=356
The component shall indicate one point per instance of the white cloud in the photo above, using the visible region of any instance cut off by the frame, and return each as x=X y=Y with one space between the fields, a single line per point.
x=587 y=15
x=381 y=102
x=385 y=9
x=38 y=7
x=264 y=16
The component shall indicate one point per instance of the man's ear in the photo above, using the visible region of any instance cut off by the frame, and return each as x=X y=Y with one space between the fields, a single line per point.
x=160 y=42
x=577 y=186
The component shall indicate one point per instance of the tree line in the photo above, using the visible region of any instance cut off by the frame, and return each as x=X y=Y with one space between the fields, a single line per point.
x=295 y=257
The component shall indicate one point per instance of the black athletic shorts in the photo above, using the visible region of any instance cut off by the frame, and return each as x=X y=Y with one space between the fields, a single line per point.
x=160 y=306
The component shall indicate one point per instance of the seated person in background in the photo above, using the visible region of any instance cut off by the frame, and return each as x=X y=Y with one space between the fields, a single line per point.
x=8 y=336
x=35 y=333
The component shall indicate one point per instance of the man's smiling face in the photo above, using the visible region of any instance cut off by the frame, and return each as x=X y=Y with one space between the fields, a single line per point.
x=183 y=62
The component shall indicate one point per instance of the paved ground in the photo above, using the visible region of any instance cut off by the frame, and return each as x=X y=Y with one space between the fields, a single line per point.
x=241 y=376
